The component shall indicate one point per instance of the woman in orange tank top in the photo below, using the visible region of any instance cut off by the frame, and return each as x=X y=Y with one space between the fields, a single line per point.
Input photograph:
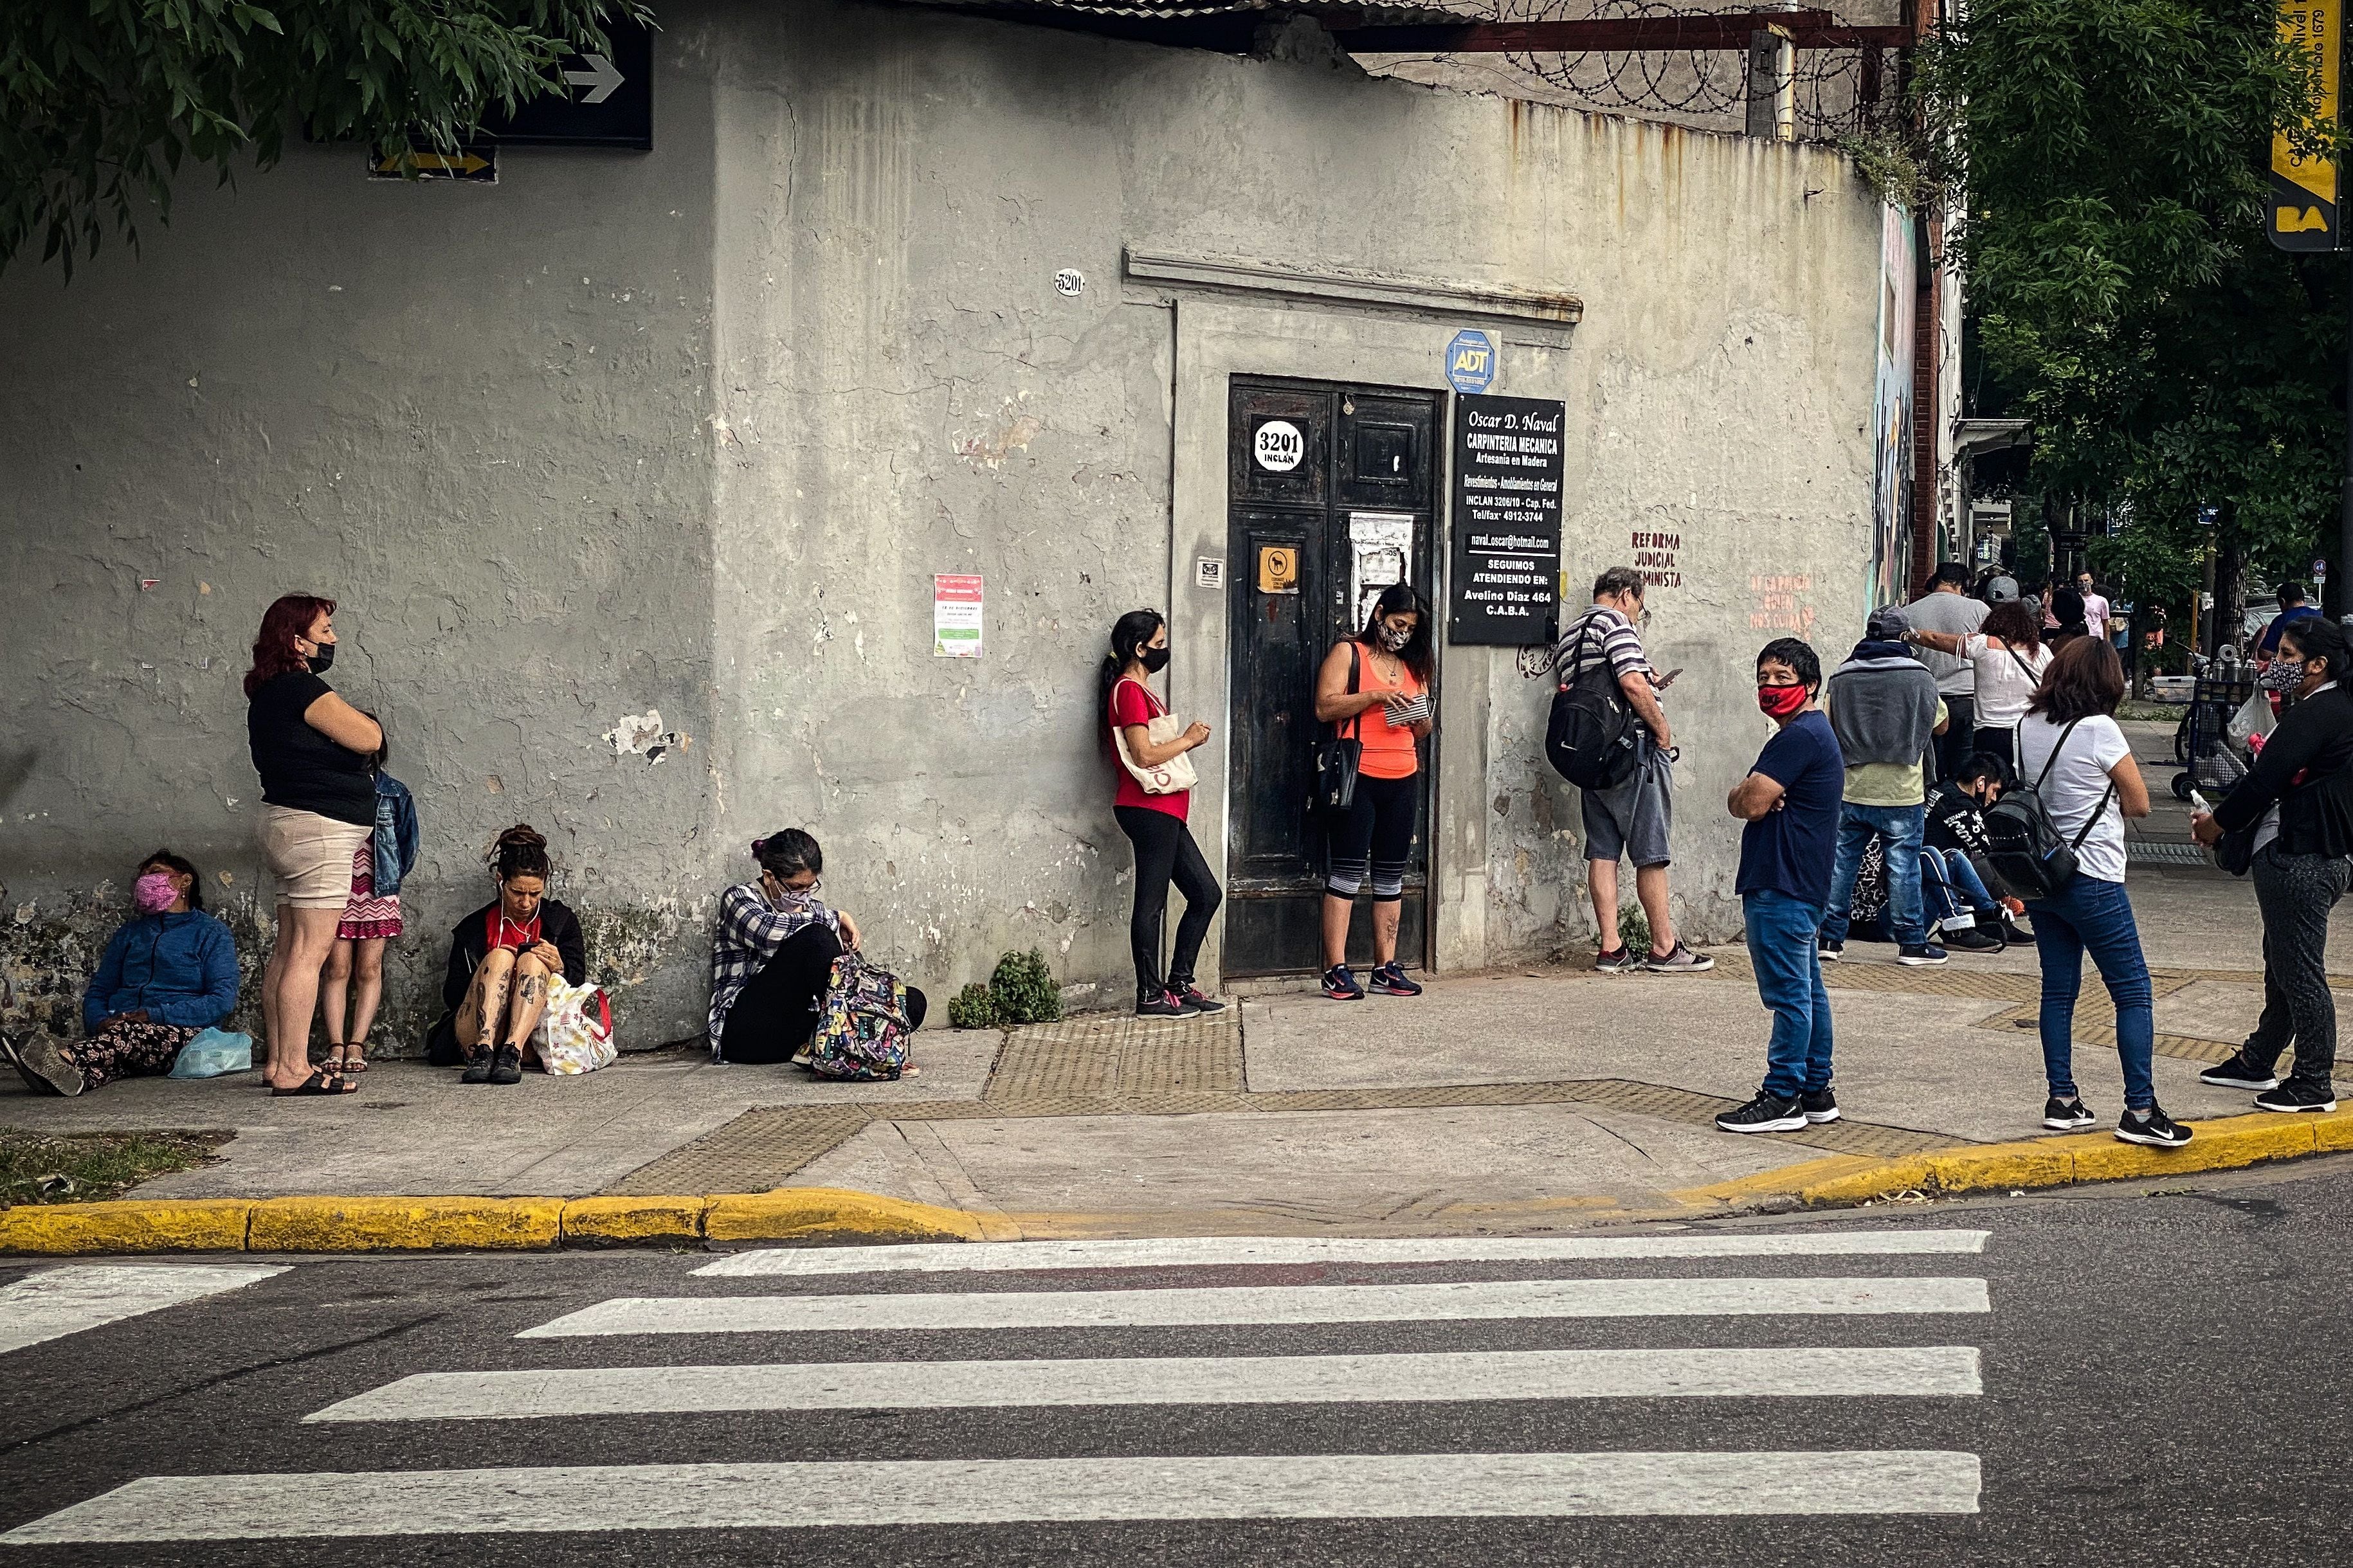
x=1374 y=688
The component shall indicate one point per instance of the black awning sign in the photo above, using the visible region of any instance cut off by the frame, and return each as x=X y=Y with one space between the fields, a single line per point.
x=1503 y=577
x=607 y=101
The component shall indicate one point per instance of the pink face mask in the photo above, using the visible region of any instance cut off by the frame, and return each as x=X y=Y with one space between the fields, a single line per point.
x=154 y=893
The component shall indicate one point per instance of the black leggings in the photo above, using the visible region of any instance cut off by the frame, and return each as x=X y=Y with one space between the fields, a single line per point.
x=1164 y=852
x=1375 y=839
x=775 y=1012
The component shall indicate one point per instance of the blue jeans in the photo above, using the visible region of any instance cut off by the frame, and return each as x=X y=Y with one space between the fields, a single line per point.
x=1951 y=888
x=2094 y=915
x=1781 y=934
x=1901 y=826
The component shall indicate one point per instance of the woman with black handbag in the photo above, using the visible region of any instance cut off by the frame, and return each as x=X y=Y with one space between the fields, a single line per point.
x=1374 y=690
x=1155 y=792
x=2080 y=767
x=2297 y=807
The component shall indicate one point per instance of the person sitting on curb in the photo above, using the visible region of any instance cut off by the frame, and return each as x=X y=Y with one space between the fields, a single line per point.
x=1884 y=707
x=773 y=957
x=1790 y=803
x=501 y=959
x=1955 y=835
x=169 y=974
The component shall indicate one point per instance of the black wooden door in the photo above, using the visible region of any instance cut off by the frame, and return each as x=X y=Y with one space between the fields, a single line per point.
x=1331 y=492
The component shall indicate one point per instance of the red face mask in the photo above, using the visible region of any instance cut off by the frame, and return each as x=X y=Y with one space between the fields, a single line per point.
x=1780 y=701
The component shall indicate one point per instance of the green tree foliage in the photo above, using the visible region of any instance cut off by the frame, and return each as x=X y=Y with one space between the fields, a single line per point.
x=2112 y=157
x=102 y=100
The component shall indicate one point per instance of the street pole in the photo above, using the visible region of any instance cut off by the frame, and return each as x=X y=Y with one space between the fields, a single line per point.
x=2341 y=580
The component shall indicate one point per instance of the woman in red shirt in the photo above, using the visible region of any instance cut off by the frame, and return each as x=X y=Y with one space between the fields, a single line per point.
x=1375 y=687
x=1152 y=817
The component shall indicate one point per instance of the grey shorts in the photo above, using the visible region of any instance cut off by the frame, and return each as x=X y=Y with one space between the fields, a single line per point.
x=1631 y=820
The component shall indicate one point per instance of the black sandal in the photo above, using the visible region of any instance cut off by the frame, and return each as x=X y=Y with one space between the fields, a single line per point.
x=321 y=1081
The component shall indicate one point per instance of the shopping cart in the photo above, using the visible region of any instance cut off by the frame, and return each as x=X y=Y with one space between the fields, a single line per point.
x=2214 y=764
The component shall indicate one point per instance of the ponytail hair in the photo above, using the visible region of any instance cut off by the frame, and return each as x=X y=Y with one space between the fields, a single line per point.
x=1128 y=635
x=520 y=851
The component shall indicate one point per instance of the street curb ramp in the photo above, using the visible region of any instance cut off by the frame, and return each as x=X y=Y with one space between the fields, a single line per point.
x=830 y=1216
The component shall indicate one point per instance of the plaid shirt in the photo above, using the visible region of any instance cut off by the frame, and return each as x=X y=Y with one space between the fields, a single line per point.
x=750 y=932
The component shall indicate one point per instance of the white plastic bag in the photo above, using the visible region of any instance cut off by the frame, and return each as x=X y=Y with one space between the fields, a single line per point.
x=2253 y=718
x=575 y=1033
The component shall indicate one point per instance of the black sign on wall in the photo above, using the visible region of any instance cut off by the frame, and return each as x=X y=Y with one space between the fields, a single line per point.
x=610 y=101
x=1503 y=582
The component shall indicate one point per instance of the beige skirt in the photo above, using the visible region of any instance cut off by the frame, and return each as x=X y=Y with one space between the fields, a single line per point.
x=309 y=857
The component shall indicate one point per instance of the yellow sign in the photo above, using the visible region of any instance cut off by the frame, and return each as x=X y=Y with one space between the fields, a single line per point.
x=2302 y=212
x=1278 y=569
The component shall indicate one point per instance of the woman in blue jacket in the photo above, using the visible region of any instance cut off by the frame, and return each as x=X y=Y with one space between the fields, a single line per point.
x=170 y=973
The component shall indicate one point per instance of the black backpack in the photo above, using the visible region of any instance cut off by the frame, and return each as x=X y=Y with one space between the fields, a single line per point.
x=1592 y=739
x=2024 y=843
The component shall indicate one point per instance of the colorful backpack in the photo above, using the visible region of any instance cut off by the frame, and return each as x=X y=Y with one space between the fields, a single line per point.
x=862 y=1025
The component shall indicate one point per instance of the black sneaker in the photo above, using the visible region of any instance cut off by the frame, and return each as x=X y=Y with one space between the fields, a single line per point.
x=1919 y=953
x=1618 y=962
x=1829 y=951
x=1190 y=1000
x=2299 y=1094
x=1159 y=1005
x=2016 y=934
x=506 y=1065
x=1819 y=1105
x=1971 y=940
x=1766 y=1113
x=1678 y=960
x=2156 y=1129
x=478 y=1069
x=2066 y=1115
x=1340 y=985
x=1389 y=980
x=2239 y=1073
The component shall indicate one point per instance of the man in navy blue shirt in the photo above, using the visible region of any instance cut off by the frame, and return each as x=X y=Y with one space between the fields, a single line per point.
x=2293 y=608
x=1790 y=801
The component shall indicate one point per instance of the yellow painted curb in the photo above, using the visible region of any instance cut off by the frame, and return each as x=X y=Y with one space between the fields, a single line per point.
x=834 y=1212
x=403 y=1225
x=190 y=1225
x=632 y=1221
x=1883 y=1178
x=2036 y=1162
x=2220 y=1145
x=1784 y=1178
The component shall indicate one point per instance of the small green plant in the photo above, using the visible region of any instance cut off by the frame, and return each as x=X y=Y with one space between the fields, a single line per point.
x=1023 y=990
x=1634 y=928
x=973 y=1008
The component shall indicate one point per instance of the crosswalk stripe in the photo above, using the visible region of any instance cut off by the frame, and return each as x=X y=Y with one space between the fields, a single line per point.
x=1194 y=1251
x=1268 y=1304
x=1910 y=1371
x=60 y=1301
x=583 y=1497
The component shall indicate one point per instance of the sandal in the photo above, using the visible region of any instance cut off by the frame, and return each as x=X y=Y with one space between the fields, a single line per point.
x=321 y=1081
x=354 y=1061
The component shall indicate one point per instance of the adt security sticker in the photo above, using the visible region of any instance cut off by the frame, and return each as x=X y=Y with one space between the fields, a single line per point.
x=1470 y=362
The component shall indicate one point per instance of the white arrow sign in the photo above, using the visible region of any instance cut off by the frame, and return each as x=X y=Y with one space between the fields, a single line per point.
x=600 y=79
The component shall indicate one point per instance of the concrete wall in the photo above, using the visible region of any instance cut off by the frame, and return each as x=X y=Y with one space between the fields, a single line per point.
x=692 y=431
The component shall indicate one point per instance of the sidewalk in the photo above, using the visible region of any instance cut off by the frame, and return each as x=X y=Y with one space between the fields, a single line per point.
x=1551 y=1096
x=1490 y=1100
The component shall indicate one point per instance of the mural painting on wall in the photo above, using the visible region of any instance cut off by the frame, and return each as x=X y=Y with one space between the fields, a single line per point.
x=1891 y=489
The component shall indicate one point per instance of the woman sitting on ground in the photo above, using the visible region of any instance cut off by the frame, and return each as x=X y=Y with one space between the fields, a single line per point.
x=169 y=973
x=501 y=957
x=773 y=957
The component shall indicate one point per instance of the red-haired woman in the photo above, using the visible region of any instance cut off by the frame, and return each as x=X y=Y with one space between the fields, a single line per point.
x=314 y=752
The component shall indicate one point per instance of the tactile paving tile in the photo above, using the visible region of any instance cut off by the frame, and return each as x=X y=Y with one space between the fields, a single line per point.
x=2095 y=1025
x=1120 y=1057
x=758 y=1151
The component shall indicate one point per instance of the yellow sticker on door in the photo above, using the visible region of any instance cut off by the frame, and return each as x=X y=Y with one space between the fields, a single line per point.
x=1278 y=569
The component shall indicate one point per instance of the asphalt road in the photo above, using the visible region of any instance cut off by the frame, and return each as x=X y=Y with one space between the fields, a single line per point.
x=2162 y=1382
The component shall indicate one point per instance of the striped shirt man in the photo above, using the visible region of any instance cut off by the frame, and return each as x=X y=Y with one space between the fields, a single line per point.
x=1602 y=633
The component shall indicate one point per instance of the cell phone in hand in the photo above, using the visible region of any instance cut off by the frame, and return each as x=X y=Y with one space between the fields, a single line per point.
x=1669 y=678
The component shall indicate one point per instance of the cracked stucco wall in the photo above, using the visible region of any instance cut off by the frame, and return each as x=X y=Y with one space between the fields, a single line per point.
x=633 y=473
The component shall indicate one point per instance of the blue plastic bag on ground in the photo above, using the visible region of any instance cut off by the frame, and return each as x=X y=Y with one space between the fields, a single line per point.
x=212 y=1053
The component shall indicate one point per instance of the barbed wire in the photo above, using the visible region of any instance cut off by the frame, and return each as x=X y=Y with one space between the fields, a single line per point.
x=1705 y=87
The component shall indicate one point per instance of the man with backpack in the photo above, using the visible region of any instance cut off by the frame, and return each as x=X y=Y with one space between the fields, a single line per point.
x=1885 y=710
x=1611 y=738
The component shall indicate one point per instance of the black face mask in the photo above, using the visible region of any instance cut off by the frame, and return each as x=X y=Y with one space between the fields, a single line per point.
x=1154 y=660
x=323 y=659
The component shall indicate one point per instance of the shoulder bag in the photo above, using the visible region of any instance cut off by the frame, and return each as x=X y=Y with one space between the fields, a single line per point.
x=1174 y=776
x=1337 y=755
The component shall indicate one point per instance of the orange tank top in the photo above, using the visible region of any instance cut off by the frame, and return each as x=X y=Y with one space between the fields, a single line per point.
x=1388 y=751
